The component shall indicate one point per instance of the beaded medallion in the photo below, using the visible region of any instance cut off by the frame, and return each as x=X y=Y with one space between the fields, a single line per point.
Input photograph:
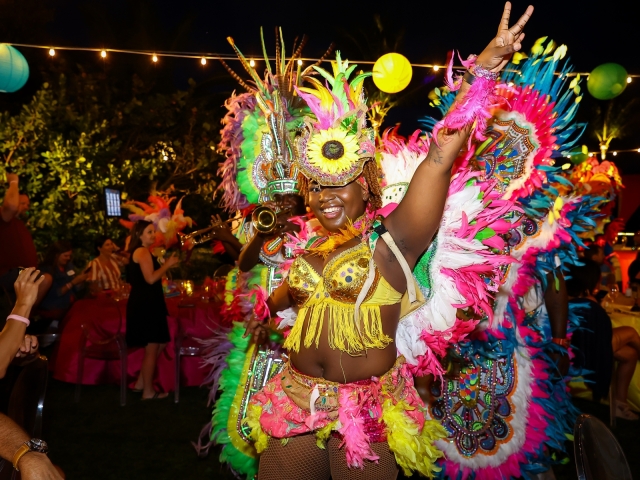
x=503 y=155
x=475 y=407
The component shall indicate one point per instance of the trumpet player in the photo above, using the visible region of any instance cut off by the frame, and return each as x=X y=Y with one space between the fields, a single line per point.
x=268 y=247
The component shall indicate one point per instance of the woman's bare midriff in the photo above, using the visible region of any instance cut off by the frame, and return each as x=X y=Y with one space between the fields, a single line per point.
x=338 y=366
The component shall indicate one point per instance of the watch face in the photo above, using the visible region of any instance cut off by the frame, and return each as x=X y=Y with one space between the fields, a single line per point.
x=37 y=445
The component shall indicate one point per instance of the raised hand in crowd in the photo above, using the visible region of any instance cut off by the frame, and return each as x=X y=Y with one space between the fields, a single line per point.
x=12 y=338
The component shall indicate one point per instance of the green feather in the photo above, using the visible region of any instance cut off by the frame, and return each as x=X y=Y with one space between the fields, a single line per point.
x=229 y=383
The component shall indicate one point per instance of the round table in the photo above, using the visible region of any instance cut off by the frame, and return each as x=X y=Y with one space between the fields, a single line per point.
x=105 y=314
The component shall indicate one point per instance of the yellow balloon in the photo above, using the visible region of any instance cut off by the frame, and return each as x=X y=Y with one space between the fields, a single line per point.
x=392 y=73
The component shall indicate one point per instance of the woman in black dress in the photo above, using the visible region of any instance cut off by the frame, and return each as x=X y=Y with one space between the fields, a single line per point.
x=147 y=311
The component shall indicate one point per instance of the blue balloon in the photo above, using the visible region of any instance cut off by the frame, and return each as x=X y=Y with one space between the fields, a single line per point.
x=14 y=69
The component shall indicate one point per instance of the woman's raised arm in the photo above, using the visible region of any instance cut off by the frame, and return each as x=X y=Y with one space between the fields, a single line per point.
x=413 y=223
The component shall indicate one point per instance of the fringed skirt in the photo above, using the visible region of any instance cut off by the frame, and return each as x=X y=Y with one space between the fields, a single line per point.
x=384 y=409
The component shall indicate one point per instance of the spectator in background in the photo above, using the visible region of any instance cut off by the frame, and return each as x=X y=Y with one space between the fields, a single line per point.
x=16 y=244
x=104 y=270
x=62 y=278
x=146 y=309
x=597 y=343
x=13 y=341
x=595 y=253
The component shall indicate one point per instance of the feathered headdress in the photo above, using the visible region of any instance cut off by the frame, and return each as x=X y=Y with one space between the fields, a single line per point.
x=158 y=211
x=258 y=130
x=335 y=145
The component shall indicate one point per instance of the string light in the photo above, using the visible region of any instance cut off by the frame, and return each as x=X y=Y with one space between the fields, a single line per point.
x=299 y=63
x=252 y=63
x=615 y=153
x=103 y=54
x=211 y=56
x=203 y=61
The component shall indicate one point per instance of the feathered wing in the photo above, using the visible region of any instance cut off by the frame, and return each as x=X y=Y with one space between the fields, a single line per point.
x=464 y=265
x=530 y=130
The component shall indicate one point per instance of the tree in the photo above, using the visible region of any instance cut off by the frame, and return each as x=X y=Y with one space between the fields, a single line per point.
x=82 y=133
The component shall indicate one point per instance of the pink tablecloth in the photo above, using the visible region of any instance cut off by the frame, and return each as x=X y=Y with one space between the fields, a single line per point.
x=102 y=311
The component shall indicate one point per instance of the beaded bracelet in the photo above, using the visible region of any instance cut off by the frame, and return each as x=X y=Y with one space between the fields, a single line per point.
x=19 y=318
x=479 y=70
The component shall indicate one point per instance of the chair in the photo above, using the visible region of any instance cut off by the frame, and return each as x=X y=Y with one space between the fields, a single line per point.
x=26 y=403
x=101 y=347
x=27 y=396
x=598 y=453
x=185 y=345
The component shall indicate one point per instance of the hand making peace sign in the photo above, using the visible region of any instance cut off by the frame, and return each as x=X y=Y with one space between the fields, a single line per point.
x=508 y=40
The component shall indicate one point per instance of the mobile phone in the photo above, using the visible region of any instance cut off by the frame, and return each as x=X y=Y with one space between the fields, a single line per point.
x=20 y=269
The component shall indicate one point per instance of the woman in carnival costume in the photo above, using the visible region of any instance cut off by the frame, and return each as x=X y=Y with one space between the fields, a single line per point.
x=257 y=140
x=345 y=404
x=505 y=403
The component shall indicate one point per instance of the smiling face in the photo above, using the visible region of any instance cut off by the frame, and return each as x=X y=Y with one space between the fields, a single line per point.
x=333 y=206
x=148 y=236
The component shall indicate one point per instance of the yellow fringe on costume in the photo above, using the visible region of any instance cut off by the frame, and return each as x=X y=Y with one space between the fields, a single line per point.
x=252 y=420
x=323 y=434
x=343 y=332
x=413 y=449
x=334 y=241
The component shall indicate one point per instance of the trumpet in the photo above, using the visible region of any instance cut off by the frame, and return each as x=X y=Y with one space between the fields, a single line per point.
x=189 y=240
x=265 y=220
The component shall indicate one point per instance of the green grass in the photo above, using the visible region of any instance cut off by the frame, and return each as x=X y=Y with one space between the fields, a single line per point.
x=96 y=439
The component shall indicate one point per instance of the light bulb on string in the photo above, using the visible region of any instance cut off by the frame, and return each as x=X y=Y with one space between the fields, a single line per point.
x=103 y=54
x=436 y=68
x=299 y=62
x=203 y=61
x=628 y=79
x=615 y=153
x=252 y=63
x=52 y=52
x=154 y=59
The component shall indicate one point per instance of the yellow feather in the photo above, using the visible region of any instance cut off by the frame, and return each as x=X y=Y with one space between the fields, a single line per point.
x=326 y=100
x=322 y=435
x=253 y=422
x=413 y=449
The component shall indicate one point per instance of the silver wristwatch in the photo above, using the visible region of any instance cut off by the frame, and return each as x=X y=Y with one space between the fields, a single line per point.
x=37 y=445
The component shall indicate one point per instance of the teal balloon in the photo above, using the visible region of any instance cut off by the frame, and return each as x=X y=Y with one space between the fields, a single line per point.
x=14 y=69
x=607 y=81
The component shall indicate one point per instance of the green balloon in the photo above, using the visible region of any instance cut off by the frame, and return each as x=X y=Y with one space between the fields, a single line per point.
x=607 y=81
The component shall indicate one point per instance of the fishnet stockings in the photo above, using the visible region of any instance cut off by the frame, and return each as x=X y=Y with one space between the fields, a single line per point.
x=301 y=459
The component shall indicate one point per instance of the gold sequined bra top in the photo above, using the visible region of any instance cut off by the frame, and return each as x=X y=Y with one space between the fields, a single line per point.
x=337 y=291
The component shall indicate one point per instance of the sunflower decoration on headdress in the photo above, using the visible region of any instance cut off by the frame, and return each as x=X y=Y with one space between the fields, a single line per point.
x=334 y=146
x=258 y=132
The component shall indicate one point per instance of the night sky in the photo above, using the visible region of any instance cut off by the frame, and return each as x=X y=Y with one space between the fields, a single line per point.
x=595 y=33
